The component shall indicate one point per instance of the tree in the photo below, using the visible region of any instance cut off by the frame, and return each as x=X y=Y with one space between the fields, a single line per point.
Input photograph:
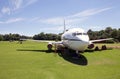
x=47 y=36
x=12 y=37
x=114 y=34
x=119 y=34
x=1 y=38
x=6 y=37
x=90 y=33
x=107 y=33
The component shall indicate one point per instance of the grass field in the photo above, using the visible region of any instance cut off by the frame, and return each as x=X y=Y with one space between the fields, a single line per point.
x=31 y=61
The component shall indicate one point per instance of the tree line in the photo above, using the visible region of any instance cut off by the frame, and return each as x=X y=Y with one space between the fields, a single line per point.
x=13 y=37
x=47 y=36
x=106 y=33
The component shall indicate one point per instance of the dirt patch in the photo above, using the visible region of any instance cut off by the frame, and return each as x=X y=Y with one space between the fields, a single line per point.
x=115 y=47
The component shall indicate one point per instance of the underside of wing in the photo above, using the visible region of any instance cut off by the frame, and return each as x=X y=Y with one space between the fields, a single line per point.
x=99 y=40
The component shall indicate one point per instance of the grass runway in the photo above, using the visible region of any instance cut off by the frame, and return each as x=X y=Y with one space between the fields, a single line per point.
x=31 y=61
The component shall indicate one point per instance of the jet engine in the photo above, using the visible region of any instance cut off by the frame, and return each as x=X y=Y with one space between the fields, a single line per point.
x=90 y=46
x=49 y=46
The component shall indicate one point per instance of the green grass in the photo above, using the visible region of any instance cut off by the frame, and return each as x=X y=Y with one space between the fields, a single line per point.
x=30 y=61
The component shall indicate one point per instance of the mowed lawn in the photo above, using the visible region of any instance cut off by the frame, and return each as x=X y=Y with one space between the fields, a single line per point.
x=30 y=60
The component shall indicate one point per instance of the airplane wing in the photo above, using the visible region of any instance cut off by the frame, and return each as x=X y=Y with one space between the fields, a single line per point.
x=40 y=40
x=49 y=42
x=54 y=42
x=99 y=40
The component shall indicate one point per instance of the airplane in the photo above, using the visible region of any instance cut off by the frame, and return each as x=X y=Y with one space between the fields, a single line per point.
x=76 y=39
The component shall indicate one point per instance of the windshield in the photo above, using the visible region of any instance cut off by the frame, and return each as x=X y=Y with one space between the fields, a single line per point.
x=74 y=34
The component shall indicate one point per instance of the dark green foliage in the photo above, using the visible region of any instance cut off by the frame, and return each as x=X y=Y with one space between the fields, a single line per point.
x=1 y=38
x=12 y=37
x=119 y=35
x=47 y=36
x=107 y=33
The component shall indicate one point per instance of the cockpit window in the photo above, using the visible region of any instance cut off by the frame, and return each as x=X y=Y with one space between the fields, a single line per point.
x=74 y=34
x=79 y=33
x=84 y=33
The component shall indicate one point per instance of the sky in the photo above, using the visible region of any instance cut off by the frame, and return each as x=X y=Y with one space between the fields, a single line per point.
x=30 y=17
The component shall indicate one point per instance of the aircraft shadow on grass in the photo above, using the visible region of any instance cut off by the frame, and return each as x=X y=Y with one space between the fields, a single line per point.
x=74 y=58
x=70 y=56
x=78 y=59
x=46 y=51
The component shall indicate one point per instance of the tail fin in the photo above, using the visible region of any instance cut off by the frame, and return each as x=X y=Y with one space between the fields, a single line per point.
x=64 y=27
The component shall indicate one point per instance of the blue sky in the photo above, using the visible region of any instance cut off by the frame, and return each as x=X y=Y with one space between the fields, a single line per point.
x=30 y=17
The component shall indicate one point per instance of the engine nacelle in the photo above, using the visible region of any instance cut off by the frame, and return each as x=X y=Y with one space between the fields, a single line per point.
x=49 y=46
x=90 y=46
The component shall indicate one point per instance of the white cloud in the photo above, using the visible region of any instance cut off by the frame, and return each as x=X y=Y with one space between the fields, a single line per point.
x=89 y=12
x=6 y=10
x=56 y=29
x=35 y=19
x=55 y=21
x=75 y=18
x=16 y=4
x=29 y=2
x=95 y=27
x=13 y=20
x=60 y=21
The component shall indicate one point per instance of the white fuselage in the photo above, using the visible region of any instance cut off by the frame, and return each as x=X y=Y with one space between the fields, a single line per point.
x=75 y=39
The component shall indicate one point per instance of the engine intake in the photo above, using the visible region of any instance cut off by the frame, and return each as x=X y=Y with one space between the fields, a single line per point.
x=90 y=46
x=49 y=46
